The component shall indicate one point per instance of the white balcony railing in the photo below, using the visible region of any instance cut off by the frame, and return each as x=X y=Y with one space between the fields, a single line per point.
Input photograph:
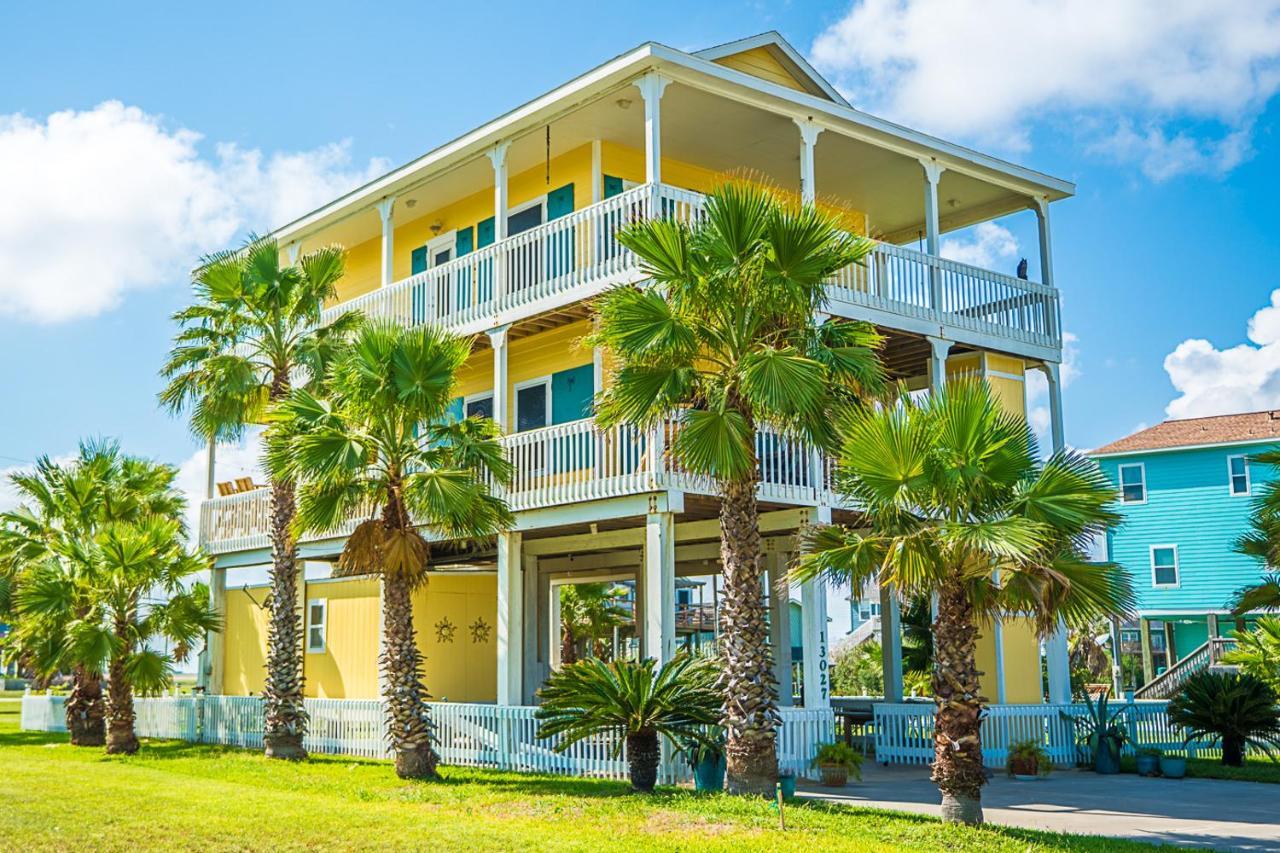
x=563 y=464
x=578 y=255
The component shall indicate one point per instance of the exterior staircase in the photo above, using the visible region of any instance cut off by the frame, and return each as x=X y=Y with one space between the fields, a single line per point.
x=1206 y=656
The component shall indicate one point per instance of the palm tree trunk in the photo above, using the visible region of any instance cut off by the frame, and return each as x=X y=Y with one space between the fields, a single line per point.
x=750 y=715
x=1233 y=751
x=568 y=646
x=408 y=715
x=285 y=715
x=85 y=709
x=121 y=738
x=957 y=743
x=642 y=761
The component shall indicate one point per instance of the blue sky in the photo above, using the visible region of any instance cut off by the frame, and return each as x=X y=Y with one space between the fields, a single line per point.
x=239 y=113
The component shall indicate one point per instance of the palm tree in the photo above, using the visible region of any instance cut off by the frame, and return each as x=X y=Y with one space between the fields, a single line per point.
x=957 y=502
x=132 y=574
x=678 y=701
x=379 y=445
x=1263 y=542
x=251 y=334
x=726 y=340
x=1235 y=709
x=1257 y=652
x=590 y=612
x=62 y=506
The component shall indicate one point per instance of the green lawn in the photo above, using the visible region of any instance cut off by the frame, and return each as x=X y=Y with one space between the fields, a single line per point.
x=200 y=797
x=1256 y=769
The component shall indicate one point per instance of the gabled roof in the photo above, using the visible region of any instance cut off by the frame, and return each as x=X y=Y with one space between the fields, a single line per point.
x=1246 y=428
x=773 y=45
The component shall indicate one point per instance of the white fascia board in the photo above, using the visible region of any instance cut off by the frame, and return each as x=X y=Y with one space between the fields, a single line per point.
x=877 y=131
x=1117 y=454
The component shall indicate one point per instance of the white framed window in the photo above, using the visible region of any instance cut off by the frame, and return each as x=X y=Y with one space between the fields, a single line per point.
x=1164 y=565
x=1133 y=483
x=478 y=405
x=1238 y=483
x=440 y=250
x=317 y=618
x=533 y=404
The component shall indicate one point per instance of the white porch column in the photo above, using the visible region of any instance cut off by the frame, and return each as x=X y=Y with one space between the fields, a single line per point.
x=891 y=644
x=386 y=210
x=498 y=157
x=1057 y=652
x=808 y=139
x=651 y=87
x=1046 y=244
x=510 y=619
x=939 y=347
x=1057 y=435
x=498 y=340
x=780 y=623
x=293 y=249
x=932 y=238
x=597 y=172
x=214 y=641
x=817 y=677
x=660 y=586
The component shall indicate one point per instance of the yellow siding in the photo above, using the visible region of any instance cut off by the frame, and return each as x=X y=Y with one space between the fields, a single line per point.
x=759 y=62
x=1022 y=676
x=457 y=619
x=245 y=643
x=347 y=668
x=528 y=358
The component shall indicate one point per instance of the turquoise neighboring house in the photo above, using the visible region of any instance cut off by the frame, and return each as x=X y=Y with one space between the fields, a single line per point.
x=1187 y=490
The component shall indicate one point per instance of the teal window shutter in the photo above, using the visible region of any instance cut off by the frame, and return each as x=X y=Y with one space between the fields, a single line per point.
x=453 y=414
x=484 y=233
x=612 y=186
x=418 y=260
x=463 y=243
x=560 y=202
x=572 y=394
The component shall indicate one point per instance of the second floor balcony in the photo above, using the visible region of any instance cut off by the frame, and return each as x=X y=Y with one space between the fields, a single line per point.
x=559 y=465
x=577 y=256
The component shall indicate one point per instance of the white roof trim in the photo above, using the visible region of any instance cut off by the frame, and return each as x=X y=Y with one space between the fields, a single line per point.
x=774 y=39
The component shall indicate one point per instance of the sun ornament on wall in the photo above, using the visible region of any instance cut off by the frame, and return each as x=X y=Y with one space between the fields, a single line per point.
x=480 y=631
x=445 y=630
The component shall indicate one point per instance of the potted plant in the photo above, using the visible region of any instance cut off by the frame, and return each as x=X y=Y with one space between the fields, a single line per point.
x=706 y=759
x=1028 y=761
x=1173 y=766
x=1149 y=760
x=1101 y=732
x=835 y=761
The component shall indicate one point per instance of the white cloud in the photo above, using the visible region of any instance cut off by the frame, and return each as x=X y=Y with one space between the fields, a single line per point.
x=989 y=246
x=1242 y=378
x=989 y=69
x=105 y=201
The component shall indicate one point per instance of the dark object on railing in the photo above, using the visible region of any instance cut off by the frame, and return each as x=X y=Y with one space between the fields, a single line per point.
x=1022 y=269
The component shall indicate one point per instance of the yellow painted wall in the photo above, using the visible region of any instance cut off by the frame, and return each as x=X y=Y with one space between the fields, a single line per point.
x=1022 y=677
x=463 y=669
x=759 y=62
x=347 y=668
x=245 y=643
x=527 y=358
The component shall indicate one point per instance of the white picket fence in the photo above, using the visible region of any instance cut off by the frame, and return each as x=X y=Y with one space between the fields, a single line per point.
x=467 y=734
x=904 y=732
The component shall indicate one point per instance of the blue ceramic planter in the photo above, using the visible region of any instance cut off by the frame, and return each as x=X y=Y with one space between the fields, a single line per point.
x=1148 y=765
x=1173 y=766
x=708 y=774
x=788 y=783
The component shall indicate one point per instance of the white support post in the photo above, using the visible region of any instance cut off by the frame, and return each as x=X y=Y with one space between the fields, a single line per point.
x=1057 y=435
x=597 y=172
x=214 y=641
x=1052 y=321
x=293 y=249
x=813 y=611
x=780 y=623
x=939 y=348
x=510 y=619
x=1057 y=652
x=891 y=644
x=651 y=87
x=932 y=239
x=498 y=340
x=534 y=672
x=386 y=210
x=808 y=139
x=498 y=157
x=660 y=586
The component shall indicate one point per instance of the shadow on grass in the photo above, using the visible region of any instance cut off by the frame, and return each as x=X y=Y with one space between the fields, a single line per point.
x=21 y=738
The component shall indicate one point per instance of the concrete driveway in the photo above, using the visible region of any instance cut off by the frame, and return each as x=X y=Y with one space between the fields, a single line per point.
x=1208 y=813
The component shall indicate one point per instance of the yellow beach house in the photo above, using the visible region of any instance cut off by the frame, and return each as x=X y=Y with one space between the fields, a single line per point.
x=506 y=234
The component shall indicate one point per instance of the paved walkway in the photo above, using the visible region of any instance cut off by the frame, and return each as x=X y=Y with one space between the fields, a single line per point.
x=1210 y=813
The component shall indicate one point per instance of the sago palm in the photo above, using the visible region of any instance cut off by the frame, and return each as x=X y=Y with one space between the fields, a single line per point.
x=726 y=340
x=379 y=445
x=957 y=502
x=253 y=333
x=1236 y=710
x=60 y=506
x=633 y=700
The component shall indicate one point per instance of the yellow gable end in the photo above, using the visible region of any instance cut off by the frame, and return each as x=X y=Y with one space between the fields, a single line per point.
x=759 y=62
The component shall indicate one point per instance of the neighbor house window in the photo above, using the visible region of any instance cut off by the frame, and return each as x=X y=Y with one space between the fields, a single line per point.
x=1133 y=483
x=316 y=608
x=1164 y=565
x=1238 y=474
